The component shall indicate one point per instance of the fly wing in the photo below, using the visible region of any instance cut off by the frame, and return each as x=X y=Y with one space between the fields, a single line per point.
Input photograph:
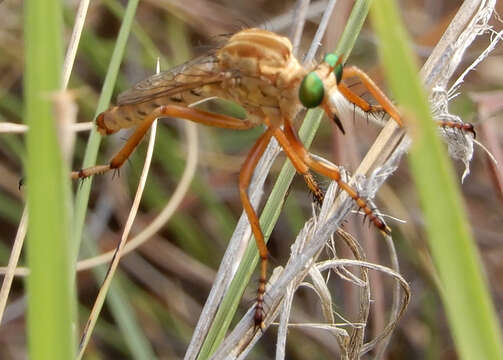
x=190 y=75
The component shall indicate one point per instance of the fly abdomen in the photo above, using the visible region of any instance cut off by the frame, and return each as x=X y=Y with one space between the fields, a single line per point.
x=120 y=117
x=129 y=115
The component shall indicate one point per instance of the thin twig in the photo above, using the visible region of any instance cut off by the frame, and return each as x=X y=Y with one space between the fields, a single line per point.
x=395 y=307
x=299 y=18
x=71 y=52
x=352 y=350
x=232 y=254
x=13 y=260
x=14 y=128
x=322 y=27
x=100 y=299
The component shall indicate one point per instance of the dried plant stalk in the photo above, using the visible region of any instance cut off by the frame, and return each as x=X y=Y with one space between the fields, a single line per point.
x=380 y=162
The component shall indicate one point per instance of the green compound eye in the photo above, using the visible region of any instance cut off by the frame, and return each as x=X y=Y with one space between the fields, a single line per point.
x=311 y=91
x=331 y=59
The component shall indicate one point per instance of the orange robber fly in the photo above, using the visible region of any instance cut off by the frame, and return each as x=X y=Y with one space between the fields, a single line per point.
x=256 y=69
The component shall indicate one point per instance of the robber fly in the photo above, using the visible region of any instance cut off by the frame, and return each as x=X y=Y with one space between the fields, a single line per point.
x=256 y=69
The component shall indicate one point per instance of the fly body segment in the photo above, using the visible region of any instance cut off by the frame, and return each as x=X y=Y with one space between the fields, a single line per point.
x=256 y=69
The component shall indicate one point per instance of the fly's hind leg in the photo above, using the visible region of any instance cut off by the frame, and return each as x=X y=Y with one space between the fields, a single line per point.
x=199 y=116
x=244 y=180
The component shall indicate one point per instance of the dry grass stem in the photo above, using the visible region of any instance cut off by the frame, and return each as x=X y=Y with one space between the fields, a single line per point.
x=385 y=270
x=71 y=52
x=14 y=128
x=65 y=115
x=233 y=253
x=13 y=260
x=299 y=17
x=380 y=162
x=100 y=299
x=242 y=233
x=282 y=22
x=320 y=32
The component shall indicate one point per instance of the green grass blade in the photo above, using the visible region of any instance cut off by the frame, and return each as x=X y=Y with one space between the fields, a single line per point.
x=353 y=28
x=465 y=295
x=274 y=204
x=50 y=295
x=151 y=51
x=268 y=219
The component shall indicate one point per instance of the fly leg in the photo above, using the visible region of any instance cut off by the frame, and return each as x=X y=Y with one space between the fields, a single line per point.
x=313 y=186
x=199 y=116
x=300 y=166
x=298 y=154
x=465 y=127
x=244 y=180
x=384 y=103
x=382 y=99
x=357 y=100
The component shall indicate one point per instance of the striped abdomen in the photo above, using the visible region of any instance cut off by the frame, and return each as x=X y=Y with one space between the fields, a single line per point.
x=126 y=116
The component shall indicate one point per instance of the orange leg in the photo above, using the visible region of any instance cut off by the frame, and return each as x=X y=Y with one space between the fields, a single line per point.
x=244 y=180
x=466 y=127
x=358 y=100
x=313 y=186
x=387 y=105
x=301 y=159
x=203 y=117
x=300 y=166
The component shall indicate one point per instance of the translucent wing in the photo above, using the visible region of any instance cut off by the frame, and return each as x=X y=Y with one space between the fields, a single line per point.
x=190 y=75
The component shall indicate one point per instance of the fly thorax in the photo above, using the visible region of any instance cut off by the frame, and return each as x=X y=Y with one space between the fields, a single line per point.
x=289 y=83
x=255 y=53
x=268 y=72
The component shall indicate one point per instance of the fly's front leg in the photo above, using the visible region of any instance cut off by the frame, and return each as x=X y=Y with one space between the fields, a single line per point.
x=357 y=100
x=296 y=151
x=199 y=116
x=382 y=99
